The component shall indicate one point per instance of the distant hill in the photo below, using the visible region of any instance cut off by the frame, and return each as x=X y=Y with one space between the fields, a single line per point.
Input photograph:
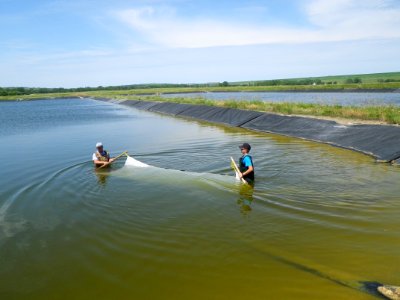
x=335 y=79
x=381 y=80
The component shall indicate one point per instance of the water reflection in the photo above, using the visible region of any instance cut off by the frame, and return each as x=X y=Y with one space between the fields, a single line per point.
x=102 y=176
x=245 y=198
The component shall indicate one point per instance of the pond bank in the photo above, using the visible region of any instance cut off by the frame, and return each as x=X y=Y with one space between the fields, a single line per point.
x=343 y=109
x=379 y=141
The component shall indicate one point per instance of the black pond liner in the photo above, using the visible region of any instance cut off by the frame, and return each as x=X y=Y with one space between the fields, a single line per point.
x=201 y=112
x=170 y=108
x=142 y=105
x=230 y=116
x=380 y=141
x=222 y=115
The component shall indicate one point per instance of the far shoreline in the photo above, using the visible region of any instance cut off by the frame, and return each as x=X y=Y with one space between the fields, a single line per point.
x=328 y=91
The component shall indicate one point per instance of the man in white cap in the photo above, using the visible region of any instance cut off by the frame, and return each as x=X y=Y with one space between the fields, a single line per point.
x=101 y=157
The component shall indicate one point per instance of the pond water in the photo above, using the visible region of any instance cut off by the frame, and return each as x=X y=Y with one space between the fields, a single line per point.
x=341 y=98
x=318 y=223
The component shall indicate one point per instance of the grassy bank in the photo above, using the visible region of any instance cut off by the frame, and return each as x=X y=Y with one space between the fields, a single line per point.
x=384 y=113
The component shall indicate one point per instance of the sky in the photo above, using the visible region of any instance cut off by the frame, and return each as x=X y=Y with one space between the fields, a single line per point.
x=78 y=43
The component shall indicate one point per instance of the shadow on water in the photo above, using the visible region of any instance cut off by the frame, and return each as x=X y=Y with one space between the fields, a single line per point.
x=368 y=287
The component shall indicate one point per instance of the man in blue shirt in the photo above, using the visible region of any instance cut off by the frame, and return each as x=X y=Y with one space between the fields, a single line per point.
x=246 y=165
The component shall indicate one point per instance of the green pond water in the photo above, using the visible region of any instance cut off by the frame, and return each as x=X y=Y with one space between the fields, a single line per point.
x=319 y=223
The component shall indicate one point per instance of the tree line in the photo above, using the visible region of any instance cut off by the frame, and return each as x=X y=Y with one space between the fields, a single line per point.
x=16 y=91
x=389 y=80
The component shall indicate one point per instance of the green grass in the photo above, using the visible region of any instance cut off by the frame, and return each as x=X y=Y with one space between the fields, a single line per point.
x=389 y=114
x=366 y=78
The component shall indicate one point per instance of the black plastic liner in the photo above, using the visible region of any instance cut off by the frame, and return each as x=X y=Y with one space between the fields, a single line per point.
x=228 y=116
x=380 y=141
x=306 y=128
x=130 y=102
x=200 y=112
x=170 y=108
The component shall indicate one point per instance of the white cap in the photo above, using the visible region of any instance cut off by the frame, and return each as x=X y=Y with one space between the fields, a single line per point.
x=99 y=144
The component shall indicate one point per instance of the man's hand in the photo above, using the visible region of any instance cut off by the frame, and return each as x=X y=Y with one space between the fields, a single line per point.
x=240 y=175
x=111 y=160
x=103 y=163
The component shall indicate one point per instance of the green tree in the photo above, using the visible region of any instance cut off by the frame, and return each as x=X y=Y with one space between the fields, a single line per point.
x=349 y=80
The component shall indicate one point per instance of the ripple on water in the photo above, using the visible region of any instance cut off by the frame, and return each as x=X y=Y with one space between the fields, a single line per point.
x=162 y=230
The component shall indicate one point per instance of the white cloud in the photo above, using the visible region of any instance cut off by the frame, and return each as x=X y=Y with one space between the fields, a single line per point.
x=351 y=19
x=338 y=20
x=205 y=64
x=167 y=30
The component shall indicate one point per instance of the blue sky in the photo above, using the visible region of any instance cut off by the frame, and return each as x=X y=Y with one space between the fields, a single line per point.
x=54 y=43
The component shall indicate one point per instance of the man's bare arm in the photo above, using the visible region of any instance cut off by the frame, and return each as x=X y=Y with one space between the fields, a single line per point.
x=249 y=170
x=100 y=162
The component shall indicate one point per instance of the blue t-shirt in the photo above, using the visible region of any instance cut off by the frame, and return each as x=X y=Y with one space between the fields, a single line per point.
x=247 y=161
